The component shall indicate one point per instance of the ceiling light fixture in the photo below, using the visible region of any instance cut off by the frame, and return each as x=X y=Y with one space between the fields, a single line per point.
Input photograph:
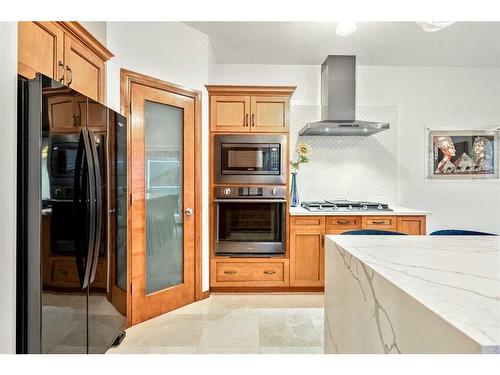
x=433 y=26
x=345 y=28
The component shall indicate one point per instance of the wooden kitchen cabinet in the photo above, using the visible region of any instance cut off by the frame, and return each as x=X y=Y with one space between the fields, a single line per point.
x=246 y=109
x=339 y=224
x=307 y=251
x=230 y=113
x=306 y=257
x=64 y=51
x=249 y=272
x=84 y=70
x=40 y=49
x=413 y=225
x=269 y=114
x=379 y=222
x=307 y=240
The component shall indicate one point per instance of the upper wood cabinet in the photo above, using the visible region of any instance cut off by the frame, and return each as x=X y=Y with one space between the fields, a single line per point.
x=270 y=114
x=66 y=52
x=244 y=109
x=40 y=49
x=84 y=69
x=229 y=113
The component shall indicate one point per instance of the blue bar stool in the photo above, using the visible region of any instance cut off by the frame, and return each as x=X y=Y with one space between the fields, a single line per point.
x=459 y=232
x=372 y=232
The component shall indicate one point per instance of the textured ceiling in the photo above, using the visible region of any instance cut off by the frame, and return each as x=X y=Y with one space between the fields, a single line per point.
x=374 y=43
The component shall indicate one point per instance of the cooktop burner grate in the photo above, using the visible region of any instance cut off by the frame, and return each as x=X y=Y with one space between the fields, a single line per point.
x=343 y=205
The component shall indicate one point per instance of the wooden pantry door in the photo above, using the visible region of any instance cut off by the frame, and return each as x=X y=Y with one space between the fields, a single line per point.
x=165 y=209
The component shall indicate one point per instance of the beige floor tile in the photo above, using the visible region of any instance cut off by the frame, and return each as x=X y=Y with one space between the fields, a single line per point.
x=174 y=330
x=291 y=301
x=291 y=350
x=228 y=350
x=234 y=304
x=231 y=330
x=234 y=324
x=288 y=328
x=152 y=350
x=200 y=307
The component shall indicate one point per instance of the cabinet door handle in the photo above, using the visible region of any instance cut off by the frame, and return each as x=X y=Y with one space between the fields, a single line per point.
x=342 y=221
x=70 y=74
x=246 y=119
x=253 y=119
x=229 y=272
x=61 y=67
x=63 y=272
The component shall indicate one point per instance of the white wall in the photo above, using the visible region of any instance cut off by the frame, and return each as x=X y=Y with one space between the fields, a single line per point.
x=8 y=121
x=97 y=29
x=427 y=97
x=439 y=98
x=173 y=52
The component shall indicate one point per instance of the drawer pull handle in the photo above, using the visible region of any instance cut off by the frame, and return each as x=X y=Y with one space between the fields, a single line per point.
x=343 y=221
x=269 y=272
x=379 y=222
x=63 y=272
x=229 y=272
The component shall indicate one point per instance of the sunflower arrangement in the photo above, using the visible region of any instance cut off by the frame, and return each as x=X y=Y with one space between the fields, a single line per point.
x=303 y=152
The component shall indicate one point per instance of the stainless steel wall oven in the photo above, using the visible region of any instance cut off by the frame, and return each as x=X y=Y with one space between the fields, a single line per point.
x=250 y=221
x=257 y=159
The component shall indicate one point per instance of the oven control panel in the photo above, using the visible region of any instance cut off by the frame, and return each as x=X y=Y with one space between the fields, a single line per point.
x=249 y=192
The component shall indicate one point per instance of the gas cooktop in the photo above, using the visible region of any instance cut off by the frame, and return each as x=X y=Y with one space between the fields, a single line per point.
x=344 y=206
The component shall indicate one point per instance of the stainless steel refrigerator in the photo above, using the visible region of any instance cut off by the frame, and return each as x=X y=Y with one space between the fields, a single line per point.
x=71 y=221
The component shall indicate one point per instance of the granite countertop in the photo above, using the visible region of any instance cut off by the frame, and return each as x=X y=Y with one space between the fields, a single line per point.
x=456 y=277
x=299 y=211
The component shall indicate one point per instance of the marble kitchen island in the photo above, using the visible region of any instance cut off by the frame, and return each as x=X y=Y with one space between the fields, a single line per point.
x=412 y=294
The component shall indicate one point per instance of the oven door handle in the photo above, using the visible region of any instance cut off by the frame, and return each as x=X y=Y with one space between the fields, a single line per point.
x=250 y=200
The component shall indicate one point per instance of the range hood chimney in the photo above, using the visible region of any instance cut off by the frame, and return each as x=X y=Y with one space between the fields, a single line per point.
x=338 y=102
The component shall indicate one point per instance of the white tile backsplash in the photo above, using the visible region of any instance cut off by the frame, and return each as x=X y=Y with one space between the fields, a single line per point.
x=357 y=168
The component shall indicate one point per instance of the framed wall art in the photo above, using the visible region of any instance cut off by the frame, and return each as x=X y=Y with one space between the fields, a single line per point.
x=463 y=154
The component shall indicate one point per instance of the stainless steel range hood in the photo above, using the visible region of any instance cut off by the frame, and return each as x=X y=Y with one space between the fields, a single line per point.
x=338 y=102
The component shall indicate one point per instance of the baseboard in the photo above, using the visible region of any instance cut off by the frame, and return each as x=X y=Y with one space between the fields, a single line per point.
x=286 y=289
x=204 y=295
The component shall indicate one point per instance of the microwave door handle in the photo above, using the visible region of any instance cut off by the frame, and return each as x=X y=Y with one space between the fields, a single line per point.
x=80 y=176
x=92 y=211
x=98 y=206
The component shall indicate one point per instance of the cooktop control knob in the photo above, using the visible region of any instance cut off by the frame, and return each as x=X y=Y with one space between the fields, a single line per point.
x=274 y=191
x=226 y=191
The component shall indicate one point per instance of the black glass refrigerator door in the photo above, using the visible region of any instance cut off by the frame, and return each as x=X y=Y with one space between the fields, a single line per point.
x=65 y=209
x=107 y=292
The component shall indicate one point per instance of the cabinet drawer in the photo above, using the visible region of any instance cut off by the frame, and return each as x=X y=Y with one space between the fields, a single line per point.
x=339 y=224
x=380 y=222
x=250 y=272
x=307 y=222
x=65 y=271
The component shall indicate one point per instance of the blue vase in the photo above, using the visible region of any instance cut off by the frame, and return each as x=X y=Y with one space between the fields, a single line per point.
x=294 y=193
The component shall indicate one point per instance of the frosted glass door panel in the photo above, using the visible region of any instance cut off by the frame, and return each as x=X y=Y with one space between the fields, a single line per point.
x=163 y=169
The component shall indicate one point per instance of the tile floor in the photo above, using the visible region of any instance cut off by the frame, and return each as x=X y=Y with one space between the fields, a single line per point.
x=233 y=324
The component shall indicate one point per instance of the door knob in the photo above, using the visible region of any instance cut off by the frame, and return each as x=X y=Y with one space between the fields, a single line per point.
x=189 y=211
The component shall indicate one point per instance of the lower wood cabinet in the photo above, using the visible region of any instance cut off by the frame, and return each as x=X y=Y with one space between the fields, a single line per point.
x=307 y=240
x=413 y=225
x=307 y=257
x=304 y=269
x=249 y=272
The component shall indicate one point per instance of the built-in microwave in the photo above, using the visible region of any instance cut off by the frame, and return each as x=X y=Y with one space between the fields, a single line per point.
x=257 y=159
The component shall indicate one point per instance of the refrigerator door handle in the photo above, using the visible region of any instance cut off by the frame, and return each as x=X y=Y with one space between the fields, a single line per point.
x=92 y=205
x=80 y=176
x=99 y=208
